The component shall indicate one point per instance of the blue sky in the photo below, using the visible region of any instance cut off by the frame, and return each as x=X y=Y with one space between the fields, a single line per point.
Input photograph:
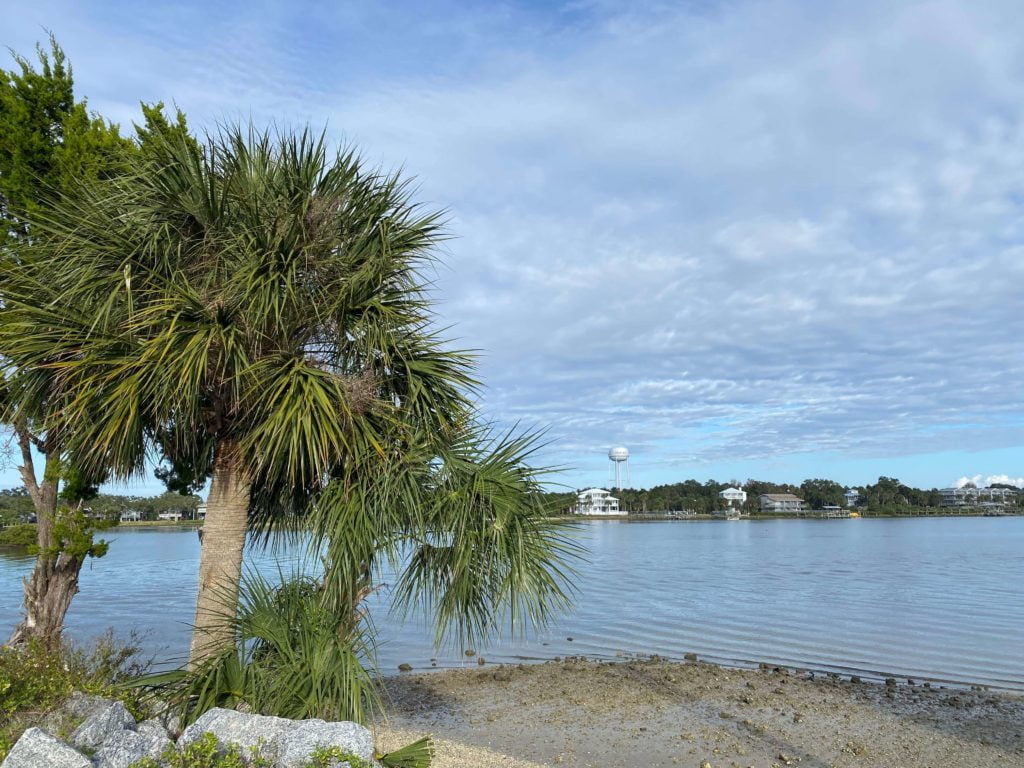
x=745 y=239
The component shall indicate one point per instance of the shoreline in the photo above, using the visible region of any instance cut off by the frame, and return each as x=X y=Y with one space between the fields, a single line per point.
x=791 y=667
x=584 y=714
x=658 y=517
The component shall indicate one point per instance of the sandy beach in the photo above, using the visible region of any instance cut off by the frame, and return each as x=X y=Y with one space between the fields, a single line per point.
x=585 y=714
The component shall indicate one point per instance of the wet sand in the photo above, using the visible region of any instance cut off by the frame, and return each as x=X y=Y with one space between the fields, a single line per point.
x=632 y=714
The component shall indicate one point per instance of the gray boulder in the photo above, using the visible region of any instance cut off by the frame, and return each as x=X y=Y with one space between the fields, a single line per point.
x=38 y=749
x=80 y=705
x=247 y=731
x=299 y=742
x=102 y=723
x=153 y=727
x=122 y=748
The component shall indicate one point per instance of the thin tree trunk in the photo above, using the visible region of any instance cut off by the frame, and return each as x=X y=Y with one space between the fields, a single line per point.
x=220 y=559
x=54 y=580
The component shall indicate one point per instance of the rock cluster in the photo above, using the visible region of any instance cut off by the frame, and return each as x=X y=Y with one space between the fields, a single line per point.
x=109 y=737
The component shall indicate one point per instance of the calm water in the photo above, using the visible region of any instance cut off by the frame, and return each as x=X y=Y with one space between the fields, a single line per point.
x=933 y=599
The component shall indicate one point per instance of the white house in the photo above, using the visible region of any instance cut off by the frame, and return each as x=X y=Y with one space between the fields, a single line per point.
x=781 y=503
x=201 y=512
x=130 y=515
x=852 y=496
x=596 y=501
x=175 y=516
x=734 y=497
x=968 y=496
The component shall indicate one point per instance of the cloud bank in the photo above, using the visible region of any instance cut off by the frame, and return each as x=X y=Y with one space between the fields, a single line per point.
x=715 y=233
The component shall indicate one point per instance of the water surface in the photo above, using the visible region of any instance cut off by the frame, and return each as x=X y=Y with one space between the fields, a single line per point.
x=933 y=599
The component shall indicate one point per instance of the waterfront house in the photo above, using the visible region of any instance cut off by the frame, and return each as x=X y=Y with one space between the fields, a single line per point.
x=130 y=515
x=596 y=501
x=969 y=496
x=174 y=515
x=733 y=497
x=781 y=503
x=201 y=512
x=852 y=497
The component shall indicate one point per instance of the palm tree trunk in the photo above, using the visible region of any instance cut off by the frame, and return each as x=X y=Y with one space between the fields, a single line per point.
x=220 y=559
x=54 y=579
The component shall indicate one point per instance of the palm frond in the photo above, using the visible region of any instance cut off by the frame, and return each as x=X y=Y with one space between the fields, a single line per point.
x=293 y=657
x=419 y=754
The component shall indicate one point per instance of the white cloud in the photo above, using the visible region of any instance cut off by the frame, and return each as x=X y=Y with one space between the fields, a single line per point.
x=977 y=481
x=1005 y=480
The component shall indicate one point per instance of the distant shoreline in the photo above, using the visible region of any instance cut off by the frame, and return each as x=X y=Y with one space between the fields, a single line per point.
x=655 y=516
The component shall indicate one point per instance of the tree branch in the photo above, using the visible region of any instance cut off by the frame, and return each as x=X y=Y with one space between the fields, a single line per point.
x=27 y=467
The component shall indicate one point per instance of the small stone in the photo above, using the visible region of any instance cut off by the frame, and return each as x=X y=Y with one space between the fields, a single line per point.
x=690 y=656
x=168 y=716
x=854 y=679
x=470 y=653
x=403 y=667
x=100 y=724
x=890 y=681
x=569 y=639
x=481 y=661
x=38 y=749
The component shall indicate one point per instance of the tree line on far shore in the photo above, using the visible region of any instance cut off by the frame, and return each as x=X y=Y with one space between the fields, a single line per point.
x=886 y=496
x=16 y=506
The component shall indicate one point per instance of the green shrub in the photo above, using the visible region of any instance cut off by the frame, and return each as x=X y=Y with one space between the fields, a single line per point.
x=204 y=753
x=34 y=681
x=21 y=536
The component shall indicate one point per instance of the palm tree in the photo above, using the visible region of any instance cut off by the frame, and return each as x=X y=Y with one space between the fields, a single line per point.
x=252 y=309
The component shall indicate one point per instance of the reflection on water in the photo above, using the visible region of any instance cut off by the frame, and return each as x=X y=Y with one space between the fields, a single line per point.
x=938 y=599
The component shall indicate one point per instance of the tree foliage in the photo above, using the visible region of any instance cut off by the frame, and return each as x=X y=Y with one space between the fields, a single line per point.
x=49 y=142
x=50 y=146
x=254 y=308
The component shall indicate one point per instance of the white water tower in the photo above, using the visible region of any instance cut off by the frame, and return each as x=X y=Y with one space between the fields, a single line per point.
x=619 y=457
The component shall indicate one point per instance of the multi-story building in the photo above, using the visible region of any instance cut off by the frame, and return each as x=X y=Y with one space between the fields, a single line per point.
x=596 y=501
x=852 y=496
x=734 y=497
x=968 y=496
x=781 y=503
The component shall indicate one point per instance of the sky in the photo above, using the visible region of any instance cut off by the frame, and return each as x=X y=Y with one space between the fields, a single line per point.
x=771 y=240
